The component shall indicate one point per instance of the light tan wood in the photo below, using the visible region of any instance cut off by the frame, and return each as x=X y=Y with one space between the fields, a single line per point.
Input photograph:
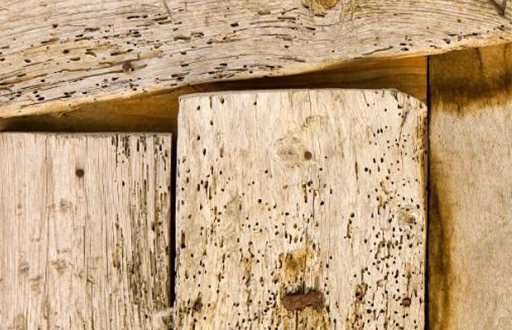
x=470 y=224
x=57 y=54
x=84 y=231
x=301 y=210
x=158 y=113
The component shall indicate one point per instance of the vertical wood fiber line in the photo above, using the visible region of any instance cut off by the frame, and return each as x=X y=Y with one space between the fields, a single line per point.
x=172 y=218
x=301 y=209
x=84 y=231
x=428 y=200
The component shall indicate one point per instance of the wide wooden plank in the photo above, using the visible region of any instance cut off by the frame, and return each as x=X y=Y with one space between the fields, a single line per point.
x=470 y=225
x=301 y=210
x=158 y=113
x=56 y=54
x=84 y=231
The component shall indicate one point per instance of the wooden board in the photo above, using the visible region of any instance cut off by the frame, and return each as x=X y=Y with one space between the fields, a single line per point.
x=158 y=113
x=301 y=210
x=470 y=224
x=84 y=231
x=56 y=54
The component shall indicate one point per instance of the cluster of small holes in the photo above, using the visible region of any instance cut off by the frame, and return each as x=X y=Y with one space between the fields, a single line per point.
x=237 y=223
x=93 y=56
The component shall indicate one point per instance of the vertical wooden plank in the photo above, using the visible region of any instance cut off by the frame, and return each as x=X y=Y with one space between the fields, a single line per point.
x=301 y=210
x=470 y=281
x=84 y=230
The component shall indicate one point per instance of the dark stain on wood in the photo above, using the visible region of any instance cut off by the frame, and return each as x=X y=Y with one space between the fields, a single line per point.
x=461 y=82
x=294 y=264
x=440 y=273
x=502 y=8
x=198 y=305
x=299 y=301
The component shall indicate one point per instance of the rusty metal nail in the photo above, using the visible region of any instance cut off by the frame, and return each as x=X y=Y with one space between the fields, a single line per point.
x=299 y=301
x=127 y=67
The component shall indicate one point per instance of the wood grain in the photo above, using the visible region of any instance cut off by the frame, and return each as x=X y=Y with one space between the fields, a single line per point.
x=84 y=231
x=301 y=209
x=470 y=229
x=57 y=54
x=159 y=112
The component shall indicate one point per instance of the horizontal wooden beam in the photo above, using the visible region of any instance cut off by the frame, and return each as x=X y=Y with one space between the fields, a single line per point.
x=58 y=54
x=158 y=113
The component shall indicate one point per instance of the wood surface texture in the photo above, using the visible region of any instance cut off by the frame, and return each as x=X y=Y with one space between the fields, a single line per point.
x=57 y=54
x=301 y=209
x=470 y=232
x=158 y=113
x=84 y=231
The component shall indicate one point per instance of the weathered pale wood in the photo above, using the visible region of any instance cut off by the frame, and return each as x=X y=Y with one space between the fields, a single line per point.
x=471 y=177
x=301 y=210
x=56 y=54
x=84 y=231
x=158 y=113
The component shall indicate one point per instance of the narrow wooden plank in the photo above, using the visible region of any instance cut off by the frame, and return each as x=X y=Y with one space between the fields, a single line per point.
x=84 y=231
x=301 y=210
x=471 y=233
x=57 y=54
x=158 y=113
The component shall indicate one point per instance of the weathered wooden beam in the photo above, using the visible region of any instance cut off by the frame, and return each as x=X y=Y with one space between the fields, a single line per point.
x=158 y=113
x=57 y=54
x=84 y=231
x=301 y=210
x=470 y=225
